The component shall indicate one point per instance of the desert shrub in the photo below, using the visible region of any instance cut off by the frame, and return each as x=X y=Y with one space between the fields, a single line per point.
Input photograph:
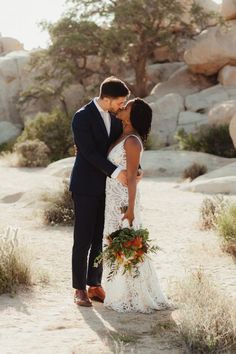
x=226 y=227
x=7 y=147
x=194 y=171
x=60 y=209
x=54 y=129
x=210 y=209
x=32 y=153
x=148 y=145
x=206 y=318
x=15 y=268
x=214 y=140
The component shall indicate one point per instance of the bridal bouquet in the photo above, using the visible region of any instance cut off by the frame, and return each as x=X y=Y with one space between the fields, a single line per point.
x=126 y=249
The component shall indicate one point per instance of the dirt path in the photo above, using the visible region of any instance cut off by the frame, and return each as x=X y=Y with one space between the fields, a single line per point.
x=45 y=319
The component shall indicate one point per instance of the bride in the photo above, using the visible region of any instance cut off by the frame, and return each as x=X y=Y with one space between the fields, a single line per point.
x=123 y=292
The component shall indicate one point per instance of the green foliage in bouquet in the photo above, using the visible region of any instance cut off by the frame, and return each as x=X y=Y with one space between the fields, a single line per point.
x=126 y=249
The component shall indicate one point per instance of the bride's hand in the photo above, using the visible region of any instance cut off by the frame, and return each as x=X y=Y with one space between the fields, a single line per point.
x=129 y=215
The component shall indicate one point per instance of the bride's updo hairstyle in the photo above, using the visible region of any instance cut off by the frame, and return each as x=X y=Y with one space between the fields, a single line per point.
x=141 y=117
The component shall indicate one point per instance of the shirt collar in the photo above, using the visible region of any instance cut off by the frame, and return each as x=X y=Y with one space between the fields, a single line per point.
x=95 y=101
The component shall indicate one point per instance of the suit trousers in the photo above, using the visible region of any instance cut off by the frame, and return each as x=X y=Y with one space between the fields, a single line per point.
x=88 y=235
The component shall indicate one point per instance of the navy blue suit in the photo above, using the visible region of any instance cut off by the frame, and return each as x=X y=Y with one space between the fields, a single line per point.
x=88 y=180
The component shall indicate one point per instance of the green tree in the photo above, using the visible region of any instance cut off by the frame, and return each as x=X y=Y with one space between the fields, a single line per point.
x=135 y=28
x=126 y=29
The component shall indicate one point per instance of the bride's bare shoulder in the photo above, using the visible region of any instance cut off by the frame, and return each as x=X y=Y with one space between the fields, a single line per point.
x=133 y=142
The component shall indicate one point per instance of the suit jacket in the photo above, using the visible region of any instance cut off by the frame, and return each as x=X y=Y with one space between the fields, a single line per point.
x=91 y=166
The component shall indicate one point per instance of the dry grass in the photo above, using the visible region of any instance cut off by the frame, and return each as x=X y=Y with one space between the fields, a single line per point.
x=60 y=210
x=32 y=153
x=194 y=171
x=15 y=267
x=206 y=319
x=210 y=210
x=226 y=227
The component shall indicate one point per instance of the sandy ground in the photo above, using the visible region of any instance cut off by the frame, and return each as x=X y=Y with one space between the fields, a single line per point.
x=44 y=320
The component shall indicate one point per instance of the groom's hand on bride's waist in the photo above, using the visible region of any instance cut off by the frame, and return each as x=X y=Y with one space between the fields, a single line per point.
x=122 y=177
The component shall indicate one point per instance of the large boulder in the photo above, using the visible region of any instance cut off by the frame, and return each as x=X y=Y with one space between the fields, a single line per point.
x=221 y=185
x=222 y=113
x=12 y=75
x=8 y=44
x=8 y=131
x=90 y=62
x=191 y=121
x=206 y=99
x=219 y=180
x=182 y=82
x=232 y=129
x=228 y=9
x=227 y=76
x=225 y=171
x=61 y=168
x=173 y=163
x=164 y=123
x=213 y=49
x=163 y=54
x=154 y=163
x=161 y=72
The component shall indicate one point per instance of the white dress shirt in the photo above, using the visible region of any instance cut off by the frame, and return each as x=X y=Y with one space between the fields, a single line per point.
x=107 y=121
x=105 y=115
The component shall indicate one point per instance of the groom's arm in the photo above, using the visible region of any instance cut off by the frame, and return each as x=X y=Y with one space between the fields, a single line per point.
x=85 y=143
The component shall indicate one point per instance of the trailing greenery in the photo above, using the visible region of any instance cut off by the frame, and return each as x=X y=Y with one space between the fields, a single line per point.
x=54 y=129
x=213 y=140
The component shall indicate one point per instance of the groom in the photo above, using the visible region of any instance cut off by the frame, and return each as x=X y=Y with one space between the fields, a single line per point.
x=94 y=129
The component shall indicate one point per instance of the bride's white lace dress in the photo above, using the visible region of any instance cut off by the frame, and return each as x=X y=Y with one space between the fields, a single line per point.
x=125 y=293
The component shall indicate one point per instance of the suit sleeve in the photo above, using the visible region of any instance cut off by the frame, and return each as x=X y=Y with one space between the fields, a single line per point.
x=84 y=141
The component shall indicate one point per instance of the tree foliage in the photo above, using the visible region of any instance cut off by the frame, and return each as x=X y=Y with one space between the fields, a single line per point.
x=129 y=30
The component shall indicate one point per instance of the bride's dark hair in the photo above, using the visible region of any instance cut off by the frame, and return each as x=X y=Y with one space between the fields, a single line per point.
x=141 y=117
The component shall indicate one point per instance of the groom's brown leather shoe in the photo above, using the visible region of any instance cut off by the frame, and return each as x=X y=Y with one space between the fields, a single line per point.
x=81 y=298
x=96 y=293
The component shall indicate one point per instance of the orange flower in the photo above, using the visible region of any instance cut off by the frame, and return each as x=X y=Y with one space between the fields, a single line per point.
x=137 y=242
x=127 y=244
x=139 y=253
x=120 y=256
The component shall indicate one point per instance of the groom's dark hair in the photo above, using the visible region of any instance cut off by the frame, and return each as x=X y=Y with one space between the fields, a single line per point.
x=113 y=88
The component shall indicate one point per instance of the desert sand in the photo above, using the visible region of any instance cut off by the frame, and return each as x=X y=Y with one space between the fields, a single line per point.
x=44 y=320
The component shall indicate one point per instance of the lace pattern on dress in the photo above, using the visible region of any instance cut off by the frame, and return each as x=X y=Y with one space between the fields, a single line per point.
x=125 y=293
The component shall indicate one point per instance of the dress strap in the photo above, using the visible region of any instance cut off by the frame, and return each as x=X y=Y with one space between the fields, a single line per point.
x=135 y=137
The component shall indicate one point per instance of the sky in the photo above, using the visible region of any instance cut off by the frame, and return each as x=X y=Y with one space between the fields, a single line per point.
x=19 y=18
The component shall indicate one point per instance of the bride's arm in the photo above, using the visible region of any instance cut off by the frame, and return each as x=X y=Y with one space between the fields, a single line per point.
x=133 y=149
